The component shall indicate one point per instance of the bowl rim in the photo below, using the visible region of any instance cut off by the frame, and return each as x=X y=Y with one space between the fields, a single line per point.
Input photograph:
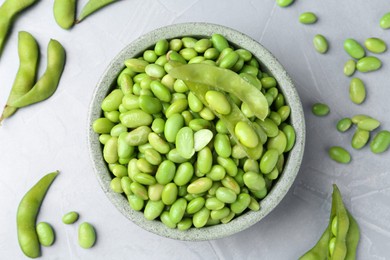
x=268 y=61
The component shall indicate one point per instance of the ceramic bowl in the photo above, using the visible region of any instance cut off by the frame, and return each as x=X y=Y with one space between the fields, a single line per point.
x=268 y=63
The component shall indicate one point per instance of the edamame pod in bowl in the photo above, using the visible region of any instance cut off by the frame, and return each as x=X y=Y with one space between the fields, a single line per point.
x=207 y=94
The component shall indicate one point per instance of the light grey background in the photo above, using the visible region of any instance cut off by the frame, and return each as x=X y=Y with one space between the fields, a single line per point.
x=52 y=135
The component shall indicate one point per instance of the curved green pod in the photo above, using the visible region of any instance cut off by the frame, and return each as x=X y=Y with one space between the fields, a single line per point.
x=47 y=84
x=8 y=11
x=25 y=78
x=92 y=6
x=26 y=216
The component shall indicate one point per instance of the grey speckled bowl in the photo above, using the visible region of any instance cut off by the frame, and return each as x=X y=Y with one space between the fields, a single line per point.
x=268 y=63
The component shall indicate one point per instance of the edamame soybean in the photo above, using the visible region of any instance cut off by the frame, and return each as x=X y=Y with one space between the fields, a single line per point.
x=344 y=124
x=381 y=142
x=307 y=18
x=354 y=49
x=349 y=68
x=320 y=109
x=385 y=21
x=86 y=235
x=357 y=91
x=368 y=64
x=375 y=45
x=339 y=154
x=70 y=217
x=320 y=43
x=92 y=6
x=45 y=234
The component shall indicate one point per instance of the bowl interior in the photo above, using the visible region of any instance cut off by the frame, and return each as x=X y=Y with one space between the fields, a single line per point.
x=268 y=64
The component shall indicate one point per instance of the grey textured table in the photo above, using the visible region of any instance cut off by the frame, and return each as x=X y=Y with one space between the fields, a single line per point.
x=52 y=135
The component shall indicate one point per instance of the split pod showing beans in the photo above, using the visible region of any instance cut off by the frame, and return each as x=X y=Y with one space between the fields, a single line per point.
x=194 y=133
x=341 y=237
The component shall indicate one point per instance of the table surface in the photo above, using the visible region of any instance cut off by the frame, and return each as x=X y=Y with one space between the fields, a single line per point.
x=51 y=135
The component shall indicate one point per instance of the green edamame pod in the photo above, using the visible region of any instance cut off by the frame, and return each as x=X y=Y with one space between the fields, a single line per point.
x=64 y=13
x=25 y=78
x=47 y=84
x=8 y=11
x=320 y=250
x=225 y=80
x=27 y=215
x=92 y=6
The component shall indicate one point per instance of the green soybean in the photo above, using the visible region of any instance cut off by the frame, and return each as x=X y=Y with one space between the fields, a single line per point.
x=368 y=124
x=349 y=68
x=218 y=102
x=360 y=138
x=354 y=49
x=307 y=18
x=177 y=210
x=185 y=142
x=202 y=138
x=344 y=124
x=357 y=91
x=284 y=3
x=204 y=160
x=380 y=142
x=135 y=202
x=339 y=154
x=184 y=174
x=385 y=21
x=200 y=185
x=45 y=234
x=357 y=118
x=289 y=132
x=169 y=193
x=153 y=209
x=375 y=45
x=279 y=142
x=70 y=217
x=102 y=125
x=135 y=118
x=201 y=217
x=150 y=105
x=184 y=224
x=92 y=6
x=110 y=150
x=320 y=109
x=226 y=195
x=219 y=42
x=241 y=203
x=254 y=181
x=86 y=235
x=246 y=135
x=320 y=43
x=368 y=64
x=268 y=161
x=116 y=185
x=172 y=126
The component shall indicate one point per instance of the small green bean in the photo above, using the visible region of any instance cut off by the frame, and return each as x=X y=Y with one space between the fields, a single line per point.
x=357 y=91
x=45 y=234
x=339 y=154
x=320 y=43
x=385 y=21
x=360 y=138
x=381 y=142
x=307 y=18
x=368 y=64
x=344 y=124
x=153 y=209
x=70 y=217
x=284 y=3
x=354 y=49
x=86 y=235
x=368 y=124
x=169 y=193
x=349 y=68
x=375 y=45
x=320 y=109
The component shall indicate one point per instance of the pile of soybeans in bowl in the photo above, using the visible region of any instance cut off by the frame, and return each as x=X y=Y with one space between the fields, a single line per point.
x=194 y=135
